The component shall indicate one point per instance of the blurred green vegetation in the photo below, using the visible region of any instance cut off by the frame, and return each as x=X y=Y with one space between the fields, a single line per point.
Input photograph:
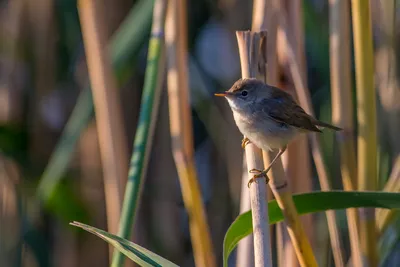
x=32 y=131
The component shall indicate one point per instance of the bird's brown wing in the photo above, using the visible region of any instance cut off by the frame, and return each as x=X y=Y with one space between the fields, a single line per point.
x=282 y=108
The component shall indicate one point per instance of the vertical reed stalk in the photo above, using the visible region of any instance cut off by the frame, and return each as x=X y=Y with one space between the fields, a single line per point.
x=245 y=251
x=265 y=17
x=107 y=107
x=342 y=109
x=305 y=101
x=182 y=133
x=366 y=118
x=297 y=159
x=248 y=43
x=144 y=134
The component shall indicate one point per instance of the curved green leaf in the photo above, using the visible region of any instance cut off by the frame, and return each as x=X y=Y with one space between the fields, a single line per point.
x=138 y=254
x=309 y=203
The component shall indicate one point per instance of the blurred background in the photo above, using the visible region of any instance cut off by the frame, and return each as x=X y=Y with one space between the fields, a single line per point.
x=43 y=74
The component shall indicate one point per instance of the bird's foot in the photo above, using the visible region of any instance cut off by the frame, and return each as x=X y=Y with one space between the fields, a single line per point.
x=258 y=174
x=245 y=142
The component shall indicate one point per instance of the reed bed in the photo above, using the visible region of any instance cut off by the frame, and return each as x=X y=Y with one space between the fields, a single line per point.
x=176 y=55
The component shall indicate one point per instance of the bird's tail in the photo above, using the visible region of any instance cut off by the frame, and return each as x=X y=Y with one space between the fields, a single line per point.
x=321 y=124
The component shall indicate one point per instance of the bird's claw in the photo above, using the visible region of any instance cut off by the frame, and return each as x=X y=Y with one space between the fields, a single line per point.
x=245 y=142
x=258 y=174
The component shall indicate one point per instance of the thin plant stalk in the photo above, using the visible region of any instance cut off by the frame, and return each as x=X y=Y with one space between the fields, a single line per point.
x=366 y=118
x=305 y=101
x=342 y=109
x=248 y=43
x=144 y=134
x=265 y=18
x=245 y=252
x=124 y=44
x=108 y=110
x=297 y=159
x=182 y=132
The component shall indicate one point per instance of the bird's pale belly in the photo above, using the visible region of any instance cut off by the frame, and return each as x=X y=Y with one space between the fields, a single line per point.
x=267 y=134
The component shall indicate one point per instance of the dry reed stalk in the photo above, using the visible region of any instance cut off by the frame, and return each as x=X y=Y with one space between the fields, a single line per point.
x=342 y=109
x=265 y=18
x=245 y=252
x=366 y=118
x=384 y=216
x=108 y=111
x=265 y=14
x=297 y=159
x=305 y=101
x=181 y=131
x=248 y=43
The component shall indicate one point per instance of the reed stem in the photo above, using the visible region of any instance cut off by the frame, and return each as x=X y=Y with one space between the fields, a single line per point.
x=108 y=110
x=248 y=43
x=153 y=82
x=182 y=133
x=366 y=119
x=342 y=109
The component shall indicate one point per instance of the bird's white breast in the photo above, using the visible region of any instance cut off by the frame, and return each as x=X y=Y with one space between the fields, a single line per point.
x=265 y=133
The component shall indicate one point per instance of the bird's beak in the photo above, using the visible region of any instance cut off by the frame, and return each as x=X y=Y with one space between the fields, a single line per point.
x=222 y=94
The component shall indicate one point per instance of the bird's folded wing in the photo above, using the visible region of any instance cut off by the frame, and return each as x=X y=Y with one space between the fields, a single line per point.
x=282 y=108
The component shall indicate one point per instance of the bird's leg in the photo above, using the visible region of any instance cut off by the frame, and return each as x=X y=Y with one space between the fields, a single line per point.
x=259 y=173
x=245 y=141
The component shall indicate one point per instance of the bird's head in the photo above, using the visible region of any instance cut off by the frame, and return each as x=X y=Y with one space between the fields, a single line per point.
x=244 y=93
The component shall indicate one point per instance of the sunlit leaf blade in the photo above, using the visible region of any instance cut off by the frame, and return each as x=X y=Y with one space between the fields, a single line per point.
x=138 y=254
x=310 y=203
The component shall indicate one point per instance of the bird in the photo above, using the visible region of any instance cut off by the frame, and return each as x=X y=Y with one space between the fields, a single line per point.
x=268 y=117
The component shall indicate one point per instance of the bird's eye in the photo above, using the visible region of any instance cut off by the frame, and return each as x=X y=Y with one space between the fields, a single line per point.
x=244 y=93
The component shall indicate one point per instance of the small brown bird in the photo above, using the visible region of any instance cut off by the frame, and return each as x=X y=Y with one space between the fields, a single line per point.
x=268 y=117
